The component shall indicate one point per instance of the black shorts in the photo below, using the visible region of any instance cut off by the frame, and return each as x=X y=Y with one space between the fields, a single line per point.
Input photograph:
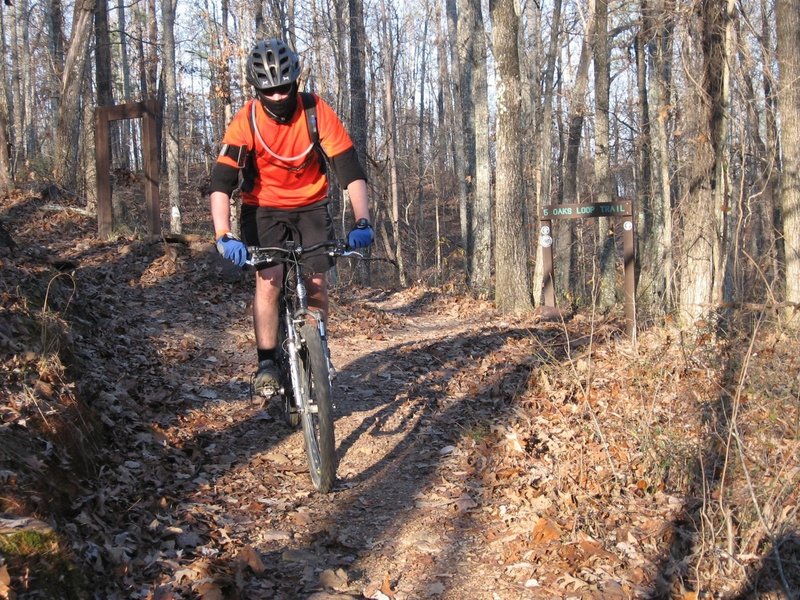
x=265 y=226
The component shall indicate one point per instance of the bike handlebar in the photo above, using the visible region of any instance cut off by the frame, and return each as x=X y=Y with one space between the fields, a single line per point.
x=263 y=255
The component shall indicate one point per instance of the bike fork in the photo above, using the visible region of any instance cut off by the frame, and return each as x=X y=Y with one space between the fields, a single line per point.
x=292 y=348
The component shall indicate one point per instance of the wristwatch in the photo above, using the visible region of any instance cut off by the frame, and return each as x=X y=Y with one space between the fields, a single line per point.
x=362 y=224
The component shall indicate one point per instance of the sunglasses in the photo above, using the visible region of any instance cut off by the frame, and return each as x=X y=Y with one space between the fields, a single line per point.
x=279 y=89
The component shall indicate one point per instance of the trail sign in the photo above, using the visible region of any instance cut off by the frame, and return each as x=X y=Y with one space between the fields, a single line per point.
x=621 y=209
x=582 y=211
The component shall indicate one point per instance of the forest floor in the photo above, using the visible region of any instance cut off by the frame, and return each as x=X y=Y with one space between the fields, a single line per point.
x=481 y=456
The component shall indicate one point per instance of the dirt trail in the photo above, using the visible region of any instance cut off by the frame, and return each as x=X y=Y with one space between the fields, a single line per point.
x=481 y=457
x=206 y=489
x=399 y=516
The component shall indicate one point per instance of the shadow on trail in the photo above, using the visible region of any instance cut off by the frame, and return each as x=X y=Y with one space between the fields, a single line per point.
x=152 y=507
x=777 y=571
x=708 y=489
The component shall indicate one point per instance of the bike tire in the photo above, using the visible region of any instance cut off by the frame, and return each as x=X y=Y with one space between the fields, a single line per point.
x=317 y=413
x=290 y=415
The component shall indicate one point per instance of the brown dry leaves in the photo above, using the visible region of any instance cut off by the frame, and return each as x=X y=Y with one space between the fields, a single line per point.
x=480 y=455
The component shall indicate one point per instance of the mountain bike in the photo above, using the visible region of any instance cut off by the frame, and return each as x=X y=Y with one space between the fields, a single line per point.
x=303 y=356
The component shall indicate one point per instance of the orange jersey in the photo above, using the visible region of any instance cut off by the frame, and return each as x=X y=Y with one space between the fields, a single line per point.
x=280 y=183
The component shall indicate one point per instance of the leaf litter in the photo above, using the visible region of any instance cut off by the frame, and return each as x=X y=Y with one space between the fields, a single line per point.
x=481 y=456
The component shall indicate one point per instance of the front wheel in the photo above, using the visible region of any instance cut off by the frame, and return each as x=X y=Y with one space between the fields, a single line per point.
x=316 y=409
x=290 y=415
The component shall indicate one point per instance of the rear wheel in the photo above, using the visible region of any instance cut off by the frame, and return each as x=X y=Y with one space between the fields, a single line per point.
x=317 y=413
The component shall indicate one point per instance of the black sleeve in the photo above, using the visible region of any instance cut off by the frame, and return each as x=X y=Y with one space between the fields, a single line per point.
x=347 y=167
x=224 y=178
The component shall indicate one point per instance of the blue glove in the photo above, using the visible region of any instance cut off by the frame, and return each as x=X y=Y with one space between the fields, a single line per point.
x=361 y=235
x=232 y=249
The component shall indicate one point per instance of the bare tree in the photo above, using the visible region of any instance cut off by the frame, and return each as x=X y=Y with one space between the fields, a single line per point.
x=545 y=142
x=476 y=108
x=701 y=218
x=604 y=183
x=6 y=177
x=358 y=101
x=20 y=64
x=171 y=114
x=512 y=290
x=420 y=147
x=566 y=256
x=787 y=13
x=458 y=118
x=102 y=54
x=71 y=84
x=128 y=128
x=6 y=180
x=388 y=51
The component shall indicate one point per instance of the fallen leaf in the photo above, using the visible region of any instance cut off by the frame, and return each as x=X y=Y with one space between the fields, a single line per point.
x=434 y=589
x=208 y=590
x=334 y=580
x=248 y=557
x=464 y=503
x=386 y=587
x=545 y=531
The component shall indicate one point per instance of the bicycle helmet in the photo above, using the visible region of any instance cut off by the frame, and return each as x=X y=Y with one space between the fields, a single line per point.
x=272 y=63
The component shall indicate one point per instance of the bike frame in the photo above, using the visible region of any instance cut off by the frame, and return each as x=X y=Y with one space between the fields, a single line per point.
x=293 y=303
x=311 y=400
x=293 y=300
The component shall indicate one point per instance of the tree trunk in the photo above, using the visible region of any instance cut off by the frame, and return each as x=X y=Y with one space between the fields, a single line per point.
x=567 y=259
x=604 y=182
x=69 y=116
x=358 y=101
x=787 y=13
x=443 y=144
x=656 y=264
x=455 y=95
x=358 y=90
x=89 y=157
x=151 y=71
x=545 y=155
x=55 y=43
x=391 y=142
x=128 y=127
x=6 y=172
x=481 y=221
x=512 y=290
x=6 y=180
x=102 y=54
x=420 y=149
x=171 y=129
x=772 y=166
x=19 y=61
x=700 y=281
x=465 y=43
x=644 y=183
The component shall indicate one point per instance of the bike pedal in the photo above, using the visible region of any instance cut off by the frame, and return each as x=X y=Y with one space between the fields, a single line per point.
x=269 y=392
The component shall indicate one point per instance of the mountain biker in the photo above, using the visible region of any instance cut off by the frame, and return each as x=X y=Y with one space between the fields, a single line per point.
x=284 y=187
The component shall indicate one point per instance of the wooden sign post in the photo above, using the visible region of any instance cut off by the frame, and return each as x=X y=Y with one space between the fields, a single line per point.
x=620 y=209
x=103 y=114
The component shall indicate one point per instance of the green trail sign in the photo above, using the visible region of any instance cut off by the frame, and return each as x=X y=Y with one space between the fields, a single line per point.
x=583 y=211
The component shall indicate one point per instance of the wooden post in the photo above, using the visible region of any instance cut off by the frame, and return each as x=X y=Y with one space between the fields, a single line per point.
x=105 y=218
x=548 y=285
x=134 y=110
x=150 y=158
x=629 y=264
